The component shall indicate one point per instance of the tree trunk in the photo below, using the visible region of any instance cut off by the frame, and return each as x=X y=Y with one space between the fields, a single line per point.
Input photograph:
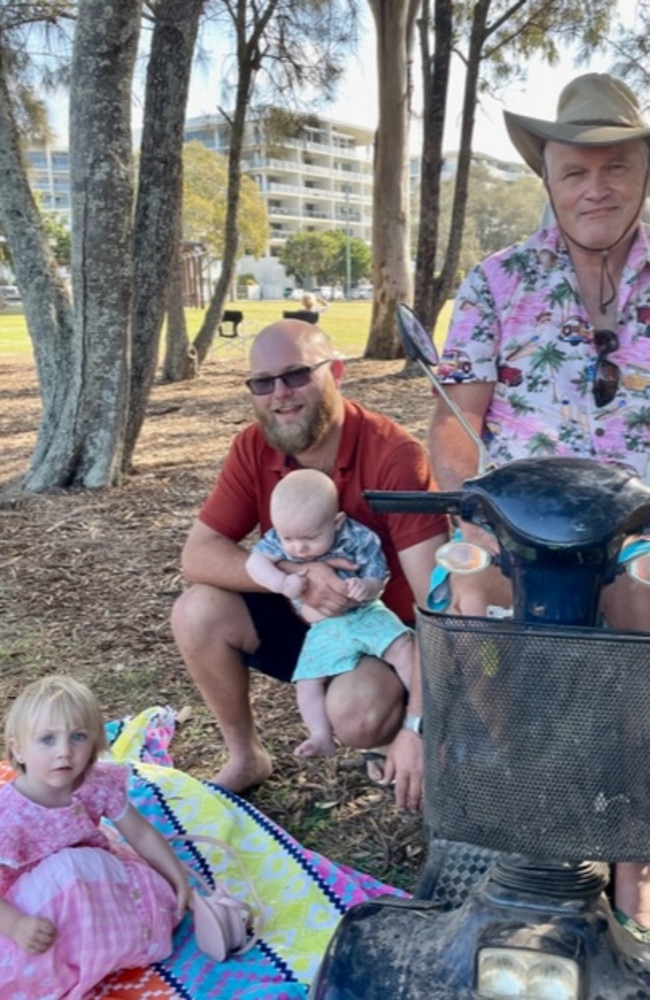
x=390 y=225
x=248 y=62
x=48 y=312
x=435 y=79
x=203 y=340
x=83 y=363
x=159 y=194
x=180 y=357
x=88 y=448
x=479 y=33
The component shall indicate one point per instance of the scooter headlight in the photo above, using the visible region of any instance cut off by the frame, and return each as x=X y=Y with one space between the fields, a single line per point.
x=463 y=557
x=515 y=972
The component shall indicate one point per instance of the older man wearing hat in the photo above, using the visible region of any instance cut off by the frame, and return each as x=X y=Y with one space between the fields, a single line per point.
x=554 y=337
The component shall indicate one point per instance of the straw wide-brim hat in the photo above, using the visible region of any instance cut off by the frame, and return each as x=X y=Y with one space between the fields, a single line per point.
x=593 y=110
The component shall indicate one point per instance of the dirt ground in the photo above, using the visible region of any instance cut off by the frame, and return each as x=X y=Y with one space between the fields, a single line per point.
x=87 y=581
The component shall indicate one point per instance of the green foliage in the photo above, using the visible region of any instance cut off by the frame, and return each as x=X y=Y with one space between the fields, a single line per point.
x=503 y=212
x=205 y=192
x=360 y=258
x=58 y=237
x=35 y=49
x=321 y=258
x=498 y=213
x=516 y=31
x=632 y=48
x=305 y=256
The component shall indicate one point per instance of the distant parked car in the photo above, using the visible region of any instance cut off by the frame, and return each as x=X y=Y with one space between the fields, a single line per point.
x=330 y=292
x=362 y=290
x=10 y=294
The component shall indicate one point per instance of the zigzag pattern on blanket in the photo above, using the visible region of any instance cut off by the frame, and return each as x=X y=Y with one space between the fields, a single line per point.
x=303 y=893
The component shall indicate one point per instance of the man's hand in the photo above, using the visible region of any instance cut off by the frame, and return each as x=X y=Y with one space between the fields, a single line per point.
x=293 y=585
x=33 y=934
x=358 y=590
x=404 y=769
x=325 y=592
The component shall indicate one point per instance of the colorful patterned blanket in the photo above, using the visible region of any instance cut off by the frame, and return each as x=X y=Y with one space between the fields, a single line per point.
x=304 y=895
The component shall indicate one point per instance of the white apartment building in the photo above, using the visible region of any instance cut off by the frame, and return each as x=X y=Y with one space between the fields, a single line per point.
x=49 y=174
x=319 y=180
x=503 y=170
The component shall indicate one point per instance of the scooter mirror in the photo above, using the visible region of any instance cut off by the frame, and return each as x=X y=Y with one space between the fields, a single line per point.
x=417 y=344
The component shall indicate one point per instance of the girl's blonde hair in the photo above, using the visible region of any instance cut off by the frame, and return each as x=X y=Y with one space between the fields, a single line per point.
x=63 y=699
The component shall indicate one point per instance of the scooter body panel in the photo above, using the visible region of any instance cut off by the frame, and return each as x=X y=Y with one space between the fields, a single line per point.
x=536 y=743
x=408 y=950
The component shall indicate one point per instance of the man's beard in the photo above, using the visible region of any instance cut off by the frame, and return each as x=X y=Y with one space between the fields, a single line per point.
x=314 y=422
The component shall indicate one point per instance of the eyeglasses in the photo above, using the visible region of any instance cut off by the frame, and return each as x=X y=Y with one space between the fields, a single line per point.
x=607 y=375
x=295 y=378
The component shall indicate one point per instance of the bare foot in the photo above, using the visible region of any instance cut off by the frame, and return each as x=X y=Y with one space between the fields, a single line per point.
x=315 y=746
x=239 y=775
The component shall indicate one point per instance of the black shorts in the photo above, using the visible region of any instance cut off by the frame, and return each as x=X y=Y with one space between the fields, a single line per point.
x=280 y=631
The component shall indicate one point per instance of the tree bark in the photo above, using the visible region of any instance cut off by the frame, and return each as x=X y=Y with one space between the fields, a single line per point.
x=180 y=357
x=248 y=62
x=390 y=227
x=203 y=340
x=87 y=451
x=435 y=76
x=48 y=312
x=159 y=199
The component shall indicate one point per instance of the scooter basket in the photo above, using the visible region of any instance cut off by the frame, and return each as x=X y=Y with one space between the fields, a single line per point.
x=537 y=738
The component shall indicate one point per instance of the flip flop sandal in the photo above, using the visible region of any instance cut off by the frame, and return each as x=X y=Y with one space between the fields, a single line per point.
x=374 y=760
x=631 y=926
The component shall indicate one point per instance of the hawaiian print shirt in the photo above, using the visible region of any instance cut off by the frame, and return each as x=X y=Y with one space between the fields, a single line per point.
x=519 y=322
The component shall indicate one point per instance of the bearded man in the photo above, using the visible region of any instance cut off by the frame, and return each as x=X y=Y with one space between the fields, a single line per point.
x=224 y=623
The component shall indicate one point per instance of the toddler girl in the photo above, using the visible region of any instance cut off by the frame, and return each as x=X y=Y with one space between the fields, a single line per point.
x=76 y=904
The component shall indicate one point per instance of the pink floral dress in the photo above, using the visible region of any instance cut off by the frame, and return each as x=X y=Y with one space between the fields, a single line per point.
x=111 y=910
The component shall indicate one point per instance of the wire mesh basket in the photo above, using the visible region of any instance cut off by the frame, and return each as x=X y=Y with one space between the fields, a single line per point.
x=537 y=739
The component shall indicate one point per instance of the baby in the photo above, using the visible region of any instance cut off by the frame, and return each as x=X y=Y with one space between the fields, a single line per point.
x=309 y=527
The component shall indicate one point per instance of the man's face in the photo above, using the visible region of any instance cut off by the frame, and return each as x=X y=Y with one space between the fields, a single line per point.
x=598 y=192
x=294 y=420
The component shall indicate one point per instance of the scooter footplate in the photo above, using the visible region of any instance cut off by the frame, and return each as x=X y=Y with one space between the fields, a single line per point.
x=537 y=739
x=451 y=871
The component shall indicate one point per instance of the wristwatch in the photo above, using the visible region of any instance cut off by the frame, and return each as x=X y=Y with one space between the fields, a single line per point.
x=413 y=723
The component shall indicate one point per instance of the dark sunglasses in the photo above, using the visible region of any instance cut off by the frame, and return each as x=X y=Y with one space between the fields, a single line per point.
x=295 y=378
x=607 y=375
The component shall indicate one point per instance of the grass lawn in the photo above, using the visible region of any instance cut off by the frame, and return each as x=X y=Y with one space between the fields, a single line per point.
x=346 y=322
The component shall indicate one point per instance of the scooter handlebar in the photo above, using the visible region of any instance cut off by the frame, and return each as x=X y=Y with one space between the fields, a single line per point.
x=413 y=502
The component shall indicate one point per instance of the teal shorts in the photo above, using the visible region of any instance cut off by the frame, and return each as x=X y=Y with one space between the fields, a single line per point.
x=335 y=645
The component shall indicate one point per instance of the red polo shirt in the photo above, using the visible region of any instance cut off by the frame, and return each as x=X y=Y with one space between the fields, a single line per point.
x=374 y=454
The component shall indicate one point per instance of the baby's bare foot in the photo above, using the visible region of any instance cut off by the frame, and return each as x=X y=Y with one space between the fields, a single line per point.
x=239 y=775
x=315 y=746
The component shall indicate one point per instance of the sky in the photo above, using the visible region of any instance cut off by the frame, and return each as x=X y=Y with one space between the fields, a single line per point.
x=536 y=96
x=356 y=103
